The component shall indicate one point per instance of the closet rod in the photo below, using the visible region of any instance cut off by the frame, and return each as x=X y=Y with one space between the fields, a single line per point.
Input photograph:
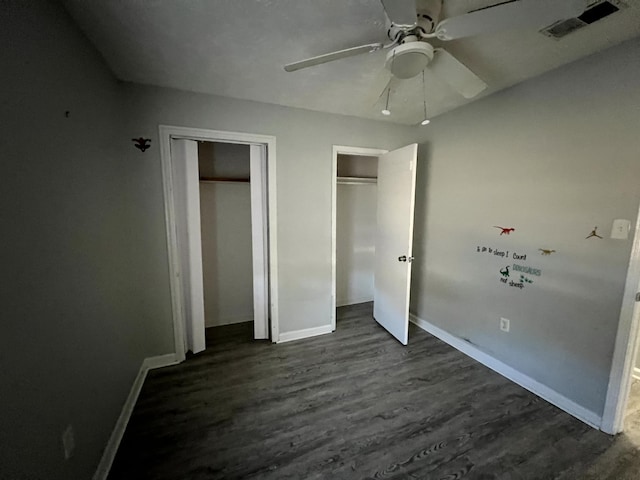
x=223 y=180
x=356 y=181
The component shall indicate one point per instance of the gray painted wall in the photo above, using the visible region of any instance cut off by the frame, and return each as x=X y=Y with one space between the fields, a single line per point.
x=552 y=157
x=80 y=294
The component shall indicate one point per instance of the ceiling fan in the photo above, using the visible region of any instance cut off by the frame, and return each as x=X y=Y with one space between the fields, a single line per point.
x=409 y=30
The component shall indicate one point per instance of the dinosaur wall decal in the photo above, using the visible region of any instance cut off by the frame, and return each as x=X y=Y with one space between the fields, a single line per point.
x=546 y=252
x=505 y=271
x=505 y=231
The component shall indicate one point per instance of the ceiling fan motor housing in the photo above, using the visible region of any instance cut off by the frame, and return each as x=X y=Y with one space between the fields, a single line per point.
x=409 y=59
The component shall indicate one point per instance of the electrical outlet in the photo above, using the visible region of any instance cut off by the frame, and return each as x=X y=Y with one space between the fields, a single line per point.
x=68 y=442
x=505 y=324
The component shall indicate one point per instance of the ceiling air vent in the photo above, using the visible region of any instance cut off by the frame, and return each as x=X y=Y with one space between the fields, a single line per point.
x=595 y=11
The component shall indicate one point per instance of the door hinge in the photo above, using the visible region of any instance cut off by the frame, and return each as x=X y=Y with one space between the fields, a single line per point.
x=638 y=297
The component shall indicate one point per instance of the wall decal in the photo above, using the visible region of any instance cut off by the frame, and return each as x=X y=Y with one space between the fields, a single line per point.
x=141 y=143
x=528 y=270
x=525 y=273
x=67 y=113
x=594 y=233
x=505 y=231
x=494 y=251
x=505 y=275
x=502 y=253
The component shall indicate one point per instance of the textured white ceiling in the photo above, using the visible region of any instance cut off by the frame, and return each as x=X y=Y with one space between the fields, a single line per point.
x=237 y=48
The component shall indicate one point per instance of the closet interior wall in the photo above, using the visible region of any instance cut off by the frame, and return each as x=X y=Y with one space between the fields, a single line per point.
x=356 y=208
x=225 y=219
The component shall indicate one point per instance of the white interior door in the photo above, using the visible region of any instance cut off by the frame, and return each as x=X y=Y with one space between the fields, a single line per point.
x=259 y=242
x=186 y=185
x=394 y=240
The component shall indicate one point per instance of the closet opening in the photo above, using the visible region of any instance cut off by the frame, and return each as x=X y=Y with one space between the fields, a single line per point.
x=225 y=230
x=219 y=200
x=354 y=221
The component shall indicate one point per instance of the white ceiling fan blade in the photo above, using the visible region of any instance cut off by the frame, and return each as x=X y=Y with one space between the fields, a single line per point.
x=510 y=15
x=456 y=74
x=402 y=13
x=330 y=57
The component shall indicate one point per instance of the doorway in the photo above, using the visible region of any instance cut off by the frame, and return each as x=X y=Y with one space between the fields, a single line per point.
x=632 y=416
x=181 y=181
x=631 y=420
x=353 y=222
x=356 y=212
x=226 y=232
x=625 y=354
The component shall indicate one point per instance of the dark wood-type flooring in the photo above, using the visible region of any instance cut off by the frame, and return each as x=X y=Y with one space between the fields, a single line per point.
x=356 y=405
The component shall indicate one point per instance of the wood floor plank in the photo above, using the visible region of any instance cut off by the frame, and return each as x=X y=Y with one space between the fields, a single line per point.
x=355 y=405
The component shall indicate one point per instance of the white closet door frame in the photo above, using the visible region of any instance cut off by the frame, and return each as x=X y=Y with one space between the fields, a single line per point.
x=344 y=150
x=269 y=212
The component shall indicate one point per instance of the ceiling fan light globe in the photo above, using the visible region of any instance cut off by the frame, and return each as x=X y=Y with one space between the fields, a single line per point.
x=409 y=59
x=426 y=121
x=386 y=112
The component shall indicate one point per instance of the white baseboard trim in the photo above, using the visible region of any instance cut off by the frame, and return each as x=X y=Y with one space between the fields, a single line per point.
x=550 y=395
x=228 y=321
x=160 y=361
x=102 y=472
x=352 y=301
x=636 y=373
x=306 y=333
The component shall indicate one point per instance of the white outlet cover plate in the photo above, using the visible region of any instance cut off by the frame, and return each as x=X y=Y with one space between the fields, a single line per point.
x=620 y=229
x=504 y=324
